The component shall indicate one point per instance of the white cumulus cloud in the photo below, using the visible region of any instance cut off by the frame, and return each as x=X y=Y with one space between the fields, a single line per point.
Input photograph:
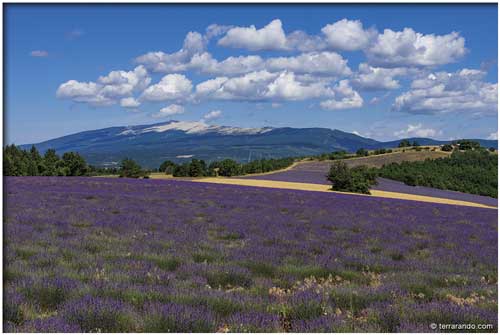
x=493 y=136
x=347 y=35
x=319 y=63
x=344 y=97
x=416 y=130
x=108 y=89
x=122 y=83
x=262 y=86
x=410 y=48
x=159 y=61
x=168 y=111
x=213 y=115
x=442 y=92
x=129 y=102
x=270 y=37
x=377 y=78
x=170 y=87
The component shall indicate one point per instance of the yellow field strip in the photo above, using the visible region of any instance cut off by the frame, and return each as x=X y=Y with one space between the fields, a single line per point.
x=326 y=188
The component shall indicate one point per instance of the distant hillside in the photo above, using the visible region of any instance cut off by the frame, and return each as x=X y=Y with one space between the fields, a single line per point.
x=178 y=141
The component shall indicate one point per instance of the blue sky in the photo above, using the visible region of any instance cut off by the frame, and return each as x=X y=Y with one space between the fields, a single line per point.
x=383 y=71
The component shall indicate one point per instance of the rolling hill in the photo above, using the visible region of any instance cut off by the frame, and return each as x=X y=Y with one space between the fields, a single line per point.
x=178 y=141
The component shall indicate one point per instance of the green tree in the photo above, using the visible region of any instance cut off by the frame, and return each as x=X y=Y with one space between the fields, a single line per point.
x=467 y=144
x=181 y=170
x=16 y=161
x=197 y=168
x=73 y=164
x=228 y=167
x=404 y=144
x=130 y=169
x=50 y=160
x=340 y=176
x=36 y=162
x=470 y=171
x=357 y=179
x=380 y=151
x=167 y=167
x=447 y=147
x=338 y=154
x=361 y=152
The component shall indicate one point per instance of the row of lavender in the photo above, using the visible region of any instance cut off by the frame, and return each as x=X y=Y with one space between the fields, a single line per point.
x=316 y=173
x=85 y=254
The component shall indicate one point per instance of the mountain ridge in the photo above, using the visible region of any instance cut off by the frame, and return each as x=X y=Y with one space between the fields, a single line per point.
x=181 y=140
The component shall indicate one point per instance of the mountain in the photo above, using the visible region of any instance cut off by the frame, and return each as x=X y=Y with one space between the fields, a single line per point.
x=180 y=141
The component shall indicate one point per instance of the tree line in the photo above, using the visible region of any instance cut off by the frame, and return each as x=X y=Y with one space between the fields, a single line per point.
x=225 y=168
x=470 y=169
x=19 y=162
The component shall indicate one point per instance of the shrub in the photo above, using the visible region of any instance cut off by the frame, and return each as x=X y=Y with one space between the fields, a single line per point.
x=260 y=268
x=361 y=152
x=305 y=305
x=12 y=311
x=94 y=314
x=53 y=324
x=229 y=277
x=204 y=257
x=174 y=318
x=254 y=322
x=356 y=300
x=304 y=271
x=164 y=262
x=447 y=147
x=48 y=294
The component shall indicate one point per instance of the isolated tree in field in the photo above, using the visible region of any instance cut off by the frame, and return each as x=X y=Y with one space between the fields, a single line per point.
x=130 y=169
x=357 y=179
x=340 y=176
x=415 y=144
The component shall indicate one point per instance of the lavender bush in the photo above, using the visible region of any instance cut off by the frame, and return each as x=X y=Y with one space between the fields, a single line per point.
x=113 y=255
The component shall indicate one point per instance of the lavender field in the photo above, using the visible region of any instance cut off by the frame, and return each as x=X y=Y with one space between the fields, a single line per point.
x=113 y=255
